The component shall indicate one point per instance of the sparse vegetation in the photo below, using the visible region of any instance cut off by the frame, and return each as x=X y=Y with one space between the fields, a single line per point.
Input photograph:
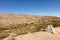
x=25 y=28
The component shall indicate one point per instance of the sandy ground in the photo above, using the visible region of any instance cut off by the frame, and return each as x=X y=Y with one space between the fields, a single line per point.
x=41 y=36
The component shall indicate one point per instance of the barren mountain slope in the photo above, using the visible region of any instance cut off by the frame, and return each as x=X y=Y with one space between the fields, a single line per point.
x=7 y=19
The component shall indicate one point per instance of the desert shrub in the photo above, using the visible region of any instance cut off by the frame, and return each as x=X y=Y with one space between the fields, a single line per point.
x=3 y=35
x=3 y=28
x=55 y=23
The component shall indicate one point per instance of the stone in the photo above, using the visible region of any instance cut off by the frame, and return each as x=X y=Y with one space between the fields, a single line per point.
x=50 y=29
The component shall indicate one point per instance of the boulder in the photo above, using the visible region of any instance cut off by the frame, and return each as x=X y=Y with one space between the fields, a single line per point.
x=50 y=29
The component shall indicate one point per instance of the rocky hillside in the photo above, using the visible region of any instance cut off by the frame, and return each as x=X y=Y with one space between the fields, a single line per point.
x=23 y=24
x=7 y=19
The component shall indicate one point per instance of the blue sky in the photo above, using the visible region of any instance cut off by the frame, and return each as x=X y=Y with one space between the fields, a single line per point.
x=31 y=7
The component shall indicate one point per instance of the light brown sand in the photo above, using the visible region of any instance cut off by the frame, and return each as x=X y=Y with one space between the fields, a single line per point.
x=41 y=36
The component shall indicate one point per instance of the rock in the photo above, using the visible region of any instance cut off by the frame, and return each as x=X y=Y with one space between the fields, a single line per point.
x=50 y=29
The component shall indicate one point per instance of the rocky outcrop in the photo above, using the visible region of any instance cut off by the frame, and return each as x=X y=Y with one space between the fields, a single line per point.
x=50 y=29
